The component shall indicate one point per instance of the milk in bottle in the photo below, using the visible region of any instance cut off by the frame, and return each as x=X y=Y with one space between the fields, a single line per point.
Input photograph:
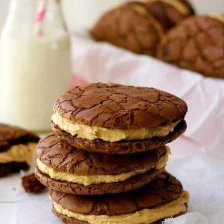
x=34 y=69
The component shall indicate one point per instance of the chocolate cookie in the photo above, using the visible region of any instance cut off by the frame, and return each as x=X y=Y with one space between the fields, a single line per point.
x=130 y=26
x=13 y=167
x=163 y=198
x=31 y=184
x=169 y=12
x=130 y=184
x=16 y=149
x=117 y=119
x=196 y=44
x=65 y=168
x=121 y=147
x=11 y=135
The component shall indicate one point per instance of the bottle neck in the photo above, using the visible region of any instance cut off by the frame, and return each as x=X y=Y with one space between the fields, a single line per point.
x=23 y=13
x=55 y=15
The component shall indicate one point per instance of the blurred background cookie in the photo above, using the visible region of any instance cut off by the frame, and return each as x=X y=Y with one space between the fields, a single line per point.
x=196 y=44
x=130 y=26
x=170 y=12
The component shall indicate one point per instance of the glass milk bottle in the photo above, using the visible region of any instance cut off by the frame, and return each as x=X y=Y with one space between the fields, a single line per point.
x=34 y=66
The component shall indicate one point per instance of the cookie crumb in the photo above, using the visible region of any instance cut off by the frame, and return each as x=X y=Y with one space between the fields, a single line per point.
x=31 y=184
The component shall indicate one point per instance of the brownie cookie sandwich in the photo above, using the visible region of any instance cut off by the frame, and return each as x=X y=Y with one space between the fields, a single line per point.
x=16 y=149
x=64 y=168
x=130 y=26
x=161 y=199
x=170 y=12
x=196 y=44
x=117 y=119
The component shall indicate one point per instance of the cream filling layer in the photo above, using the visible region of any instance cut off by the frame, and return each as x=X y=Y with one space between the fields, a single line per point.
x=217 y=17
x=19 y=153
x=110 y=135
x=95 y=179
x=177 y=5
x=145 y=216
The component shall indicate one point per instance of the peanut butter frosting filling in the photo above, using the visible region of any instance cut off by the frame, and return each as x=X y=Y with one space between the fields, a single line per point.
x=145 y=216
x=177 y=5
x=19 y=153
x=217 y=17
x=95 y=179
x=110 y=135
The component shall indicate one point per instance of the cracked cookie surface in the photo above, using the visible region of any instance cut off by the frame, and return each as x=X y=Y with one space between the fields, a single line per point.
x=62 y=157
x=130 y=26
x=74 y=171
x=162 y=198
x=164 y=189
x=196 y=44
x=120 y=107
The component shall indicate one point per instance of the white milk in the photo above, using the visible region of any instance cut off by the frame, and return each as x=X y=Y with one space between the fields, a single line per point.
x=33 y=73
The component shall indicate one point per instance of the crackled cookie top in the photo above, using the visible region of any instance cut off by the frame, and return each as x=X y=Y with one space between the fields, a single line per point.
x=196 y=44
x=63 y=157
x=60 y=161
x=130 y=26
x=162 y=198
x=163 y=190
x=114 y=106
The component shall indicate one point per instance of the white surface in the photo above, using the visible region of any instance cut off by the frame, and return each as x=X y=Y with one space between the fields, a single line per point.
x=202 y=176
x=190 y=218
x=71 y=6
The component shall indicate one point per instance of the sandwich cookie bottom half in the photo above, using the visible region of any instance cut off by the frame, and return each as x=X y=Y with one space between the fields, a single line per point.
x=117 y=119
x=161 y=199
x=64 y=168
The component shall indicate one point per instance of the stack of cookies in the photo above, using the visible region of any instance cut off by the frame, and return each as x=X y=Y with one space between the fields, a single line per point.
x=105 y=162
